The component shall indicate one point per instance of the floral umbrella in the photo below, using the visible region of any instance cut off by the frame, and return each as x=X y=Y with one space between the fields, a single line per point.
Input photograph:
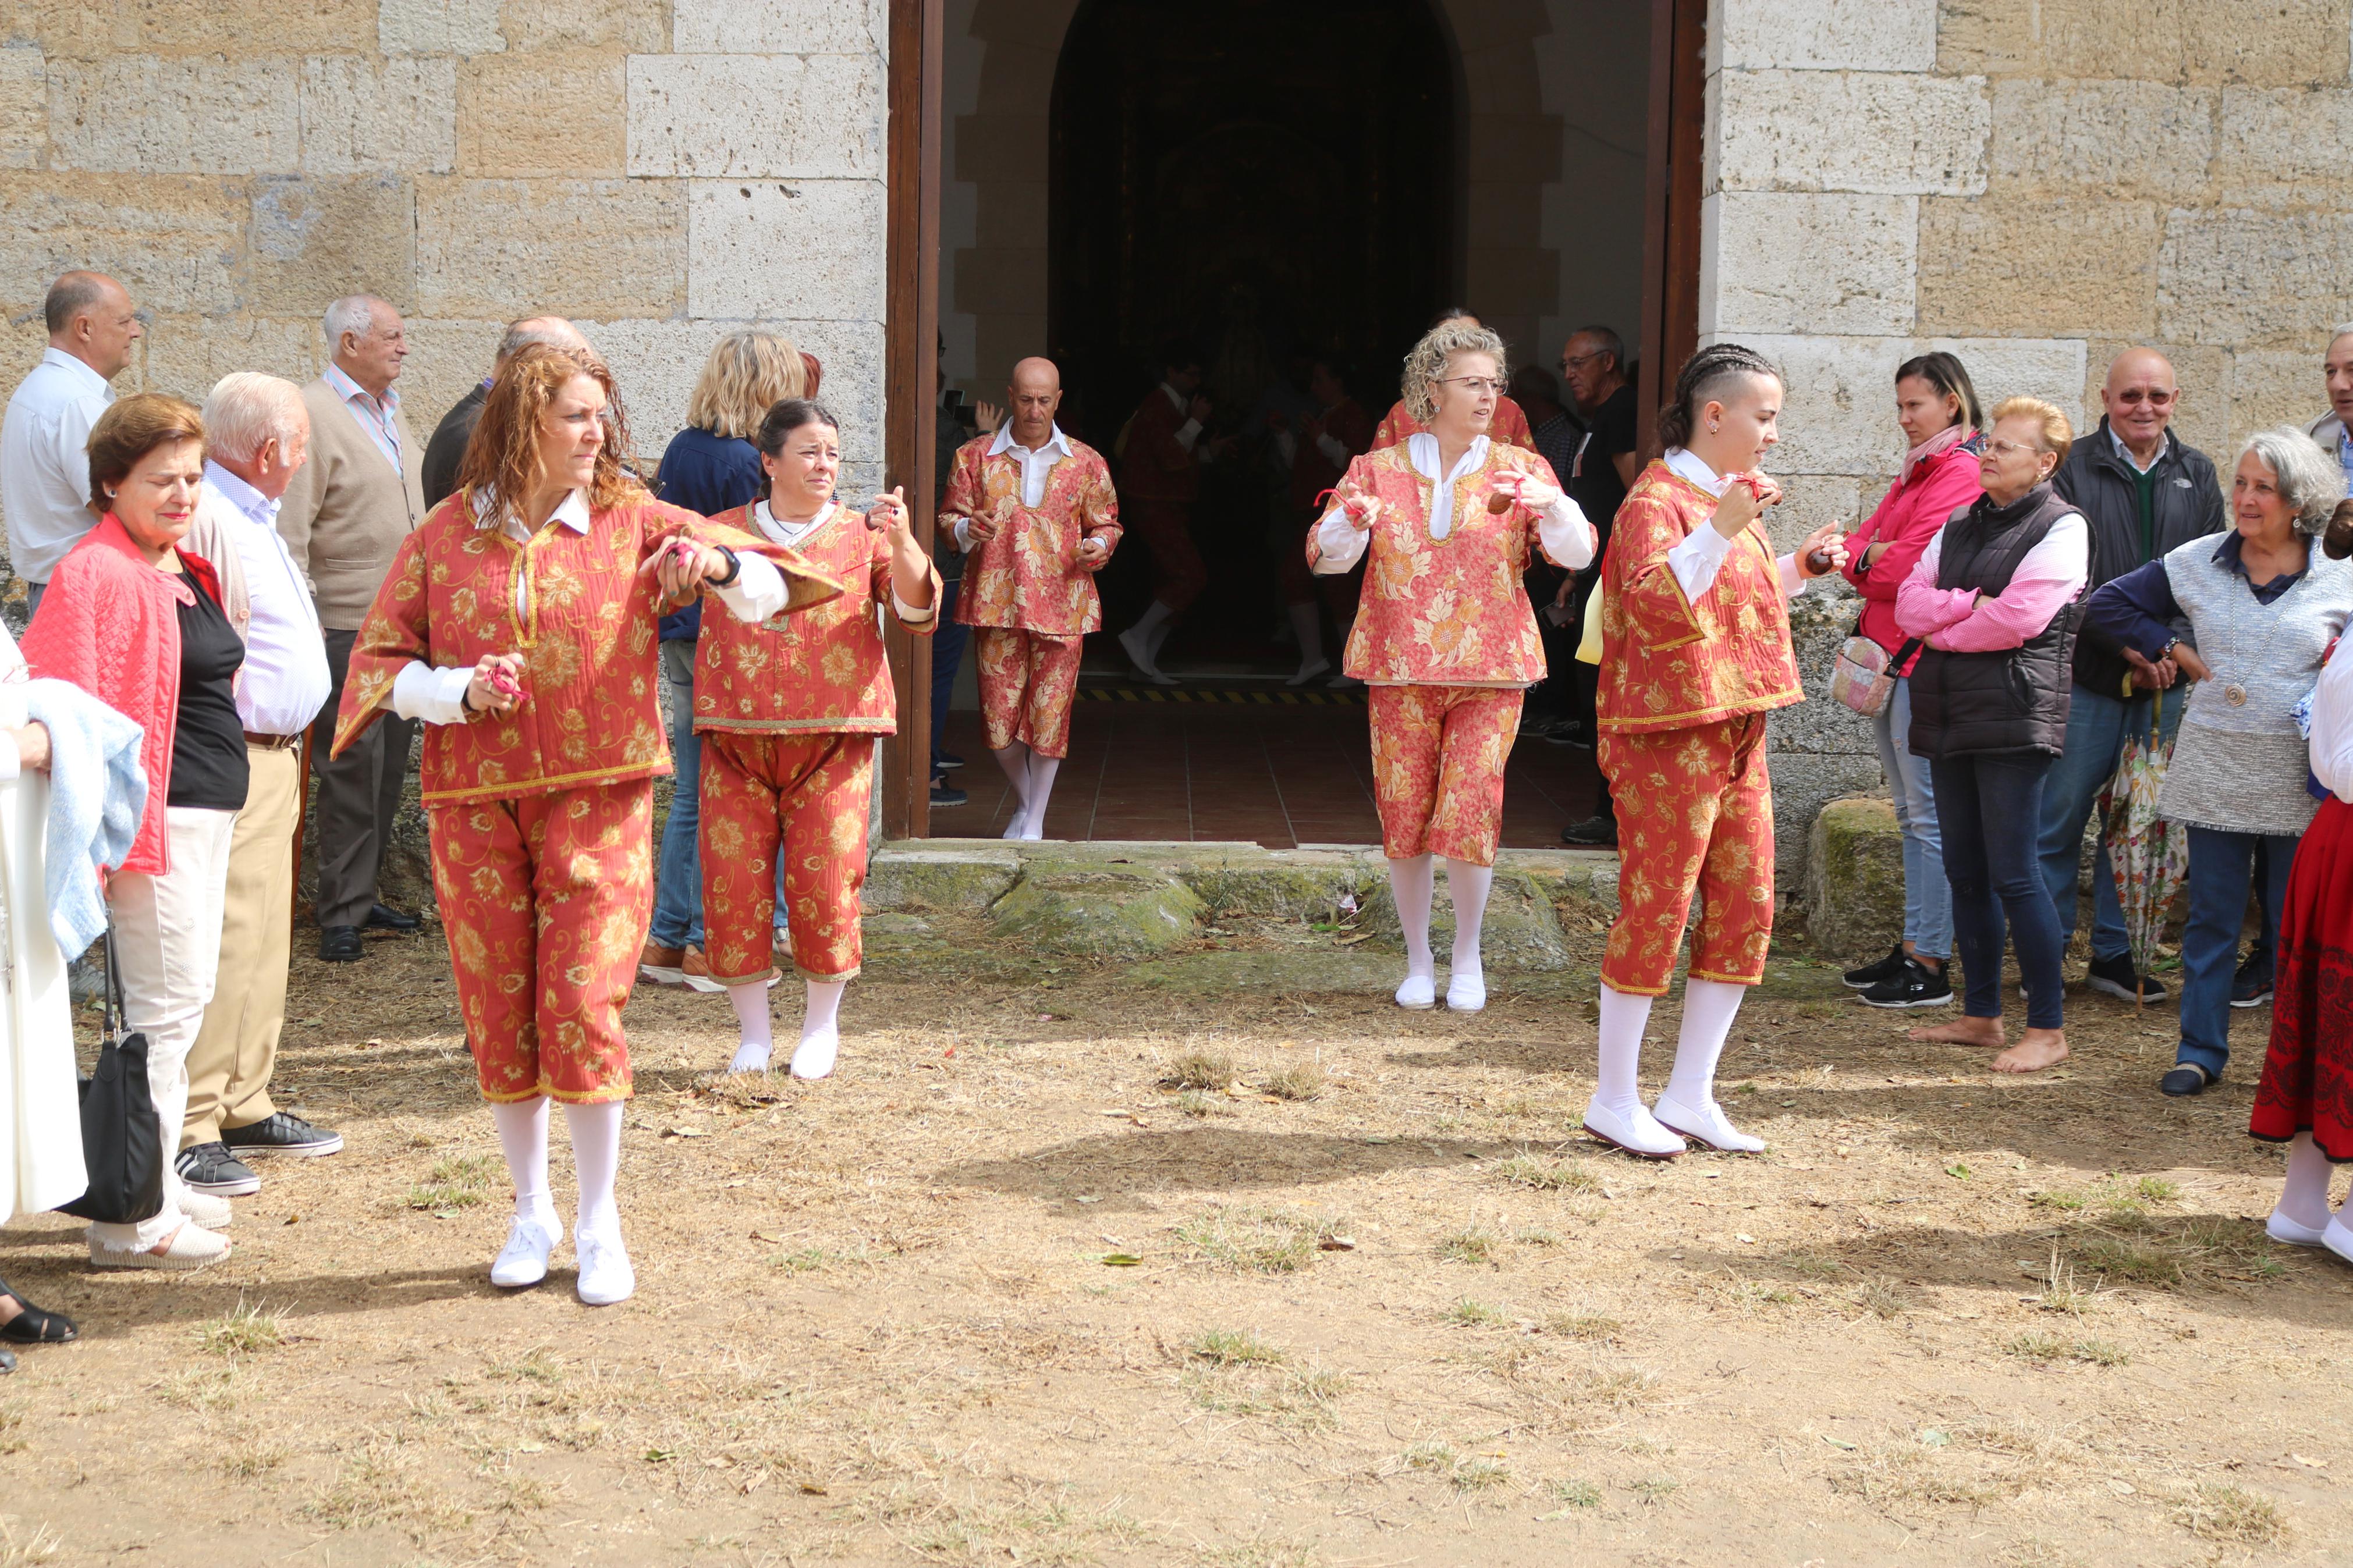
x=2148 y=854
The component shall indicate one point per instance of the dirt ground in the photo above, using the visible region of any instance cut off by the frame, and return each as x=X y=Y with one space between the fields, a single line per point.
x=1218 y=1259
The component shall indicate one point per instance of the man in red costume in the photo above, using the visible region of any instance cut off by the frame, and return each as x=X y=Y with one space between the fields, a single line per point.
x=1159 y=474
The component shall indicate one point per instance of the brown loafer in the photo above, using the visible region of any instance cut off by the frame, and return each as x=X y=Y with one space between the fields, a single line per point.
x=662 y=965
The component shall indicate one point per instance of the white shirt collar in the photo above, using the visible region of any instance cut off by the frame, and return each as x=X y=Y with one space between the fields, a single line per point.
x=571 y=512
x=255 y=506
x=1175 y=396
x=1422 y=450
x=90 y=379
x=2125 y=452
x=1060 y=445
x=784 y=533
x=1685 y=466
x=347 y=389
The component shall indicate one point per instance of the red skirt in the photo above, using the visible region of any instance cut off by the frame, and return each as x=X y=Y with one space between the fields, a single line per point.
x=2308 y=1083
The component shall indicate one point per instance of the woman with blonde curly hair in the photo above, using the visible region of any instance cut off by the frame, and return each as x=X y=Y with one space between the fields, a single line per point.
x=518 y=622
x=1445 y=636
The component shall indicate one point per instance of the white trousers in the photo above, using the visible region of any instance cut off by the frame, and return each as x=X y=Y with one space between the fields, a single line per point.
x=167 y=935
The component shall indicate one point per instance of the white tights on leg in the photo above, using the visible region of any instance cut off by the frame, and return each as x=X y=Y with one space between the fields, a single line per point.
x=2302 y=1214
x=1468 y=886
x=1410 y=885
x=820 y=1029
x=1616 y=1114
x=606 y=1276
x=1042 y=770
x=523 y=1134
x=1688 y=1102
x=759 y=1038
x=1015 y=759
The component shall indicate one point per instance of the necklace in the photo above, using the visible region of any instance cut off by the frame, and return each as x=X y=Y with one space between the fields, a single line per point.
x=2235 y=693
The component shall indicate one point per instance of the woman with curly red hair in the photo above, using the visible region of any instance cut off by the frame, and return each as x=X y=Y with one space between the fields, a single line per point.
x=519 y=622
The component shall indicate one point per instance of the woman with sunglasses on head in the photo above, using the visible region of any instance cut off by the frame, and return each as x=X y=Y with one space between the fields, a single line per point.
x=1445 y=636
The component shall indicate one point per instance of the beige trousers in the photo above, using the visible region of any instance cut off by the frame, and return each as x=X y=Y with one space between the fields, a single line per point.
x=229 y=1064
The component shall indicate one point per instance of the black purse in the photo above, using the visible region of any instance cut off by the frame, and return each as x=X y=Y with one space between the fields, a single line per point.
x=121 y=1143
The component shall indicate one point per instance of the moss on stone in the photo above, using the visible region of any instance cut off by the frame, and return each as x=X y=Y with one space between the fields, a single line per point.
x=1090 y=909
x=1854 y=878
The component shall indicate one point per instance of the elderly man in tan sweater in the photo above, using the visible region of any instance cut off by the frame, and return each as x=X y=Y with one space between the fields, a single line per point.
x=345 y=512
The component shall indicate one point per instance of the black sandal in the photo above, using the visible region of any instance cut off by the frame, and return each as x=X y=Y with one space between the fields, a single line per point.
x=32 y=1326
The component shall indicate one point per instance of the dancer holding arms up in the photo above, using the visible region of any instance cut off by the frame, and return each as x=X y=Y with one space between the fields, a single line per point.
x=789 y=711
x=1445 y=637
x=519 y=622
x=1695 y=652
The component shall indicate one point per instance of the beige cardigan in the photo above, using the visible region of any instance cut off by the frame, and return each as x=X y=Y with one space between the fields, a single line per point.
x=347 y=512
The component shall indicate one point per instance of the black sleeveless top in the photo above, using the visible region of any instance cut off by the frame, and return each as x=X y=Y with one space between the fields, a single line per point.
x=208 y=764
x=1970 y=704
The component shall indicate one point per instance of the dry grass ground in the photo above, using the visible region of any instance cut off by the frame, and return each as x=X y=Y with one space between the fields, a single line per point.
x=1217 y=1261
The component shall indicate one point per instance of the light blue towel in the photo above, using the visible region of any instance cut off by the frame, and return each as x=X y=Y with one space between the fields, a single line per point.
x=96 y=796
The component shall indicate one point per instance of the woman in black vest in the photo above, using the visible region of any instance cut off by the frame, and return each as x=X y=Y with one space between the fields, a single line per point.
x=1996 y=598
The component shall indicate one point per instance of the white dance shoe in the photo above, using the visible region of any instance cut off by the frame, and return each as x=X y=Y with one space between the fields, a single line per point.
x=1638 y=1132
x=1139 y=654
x=606 y=1276
x=1018 y=826
x=1418 y=994
x=1704 y=1124
x=2294 y=1232
x=2338 y=1237
x=523 y=1259
x=750 y=1057
x=815 y=1056
x=1466 y=992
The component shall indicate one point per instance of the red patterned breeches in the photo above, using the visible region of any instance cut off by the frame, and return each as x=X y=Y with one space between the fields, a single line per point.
x=546 y=900
x=1695 y=815
x=804 y=798
x=1027 y=681
x=1178 y=575
x=1437 y=768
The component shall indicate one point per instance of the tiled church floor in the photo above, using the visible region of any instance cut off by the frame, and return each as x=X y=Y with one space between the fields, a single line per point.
x=1261 y=769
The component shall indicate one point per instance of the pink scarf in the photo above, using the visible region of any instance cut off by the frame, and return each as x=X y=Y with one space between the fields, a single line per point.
x=1952 y=434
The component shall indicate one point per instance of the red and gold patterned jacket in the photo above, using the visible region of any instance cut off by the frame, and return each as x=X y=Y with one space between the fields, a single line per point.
x=1509 y=427
x=1154 y=466
x=824 y=671
x=1668 y=663
x=1027 y=575
x=1442 y=612
x=1312 y=471
x=587 y=631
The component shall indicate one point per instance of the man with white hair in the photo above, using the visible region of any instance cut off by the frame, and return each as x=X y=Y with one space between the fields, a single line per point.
x=345 y=512
x=44 y=463
x=256 y=434
x=447 y=450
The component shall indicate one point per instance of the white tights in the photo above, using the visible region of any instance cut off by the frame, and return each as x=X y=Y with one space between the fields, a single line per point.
x=1413 y=886
x=1709 y=1009
x=1033 y=778
x=2303 y=1196
x=596 y=1159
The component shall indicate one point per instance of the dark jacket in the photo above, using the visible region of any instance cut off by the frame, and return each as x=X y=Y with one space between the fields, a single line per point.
x=446 y=453
x=2015 y=699
x=708 y=474
x=2187 y=504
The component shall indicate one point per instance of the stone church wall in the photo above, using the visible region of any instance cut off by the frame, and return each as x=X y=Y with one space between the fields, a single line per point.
x=660 y=173
x=2033 y=185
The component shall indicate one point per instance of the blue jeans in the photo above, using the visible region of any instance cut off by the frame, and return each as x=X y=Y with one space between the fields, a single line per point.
x=1927 y=899
x=678 y=884
x=2221 y=866
x=1992 y=867
x=947 y=656
x=2097 y=727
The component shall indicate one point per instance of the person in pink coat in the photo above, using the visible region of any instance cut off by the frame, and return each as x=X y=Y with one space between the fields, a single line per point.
x=1938 y=408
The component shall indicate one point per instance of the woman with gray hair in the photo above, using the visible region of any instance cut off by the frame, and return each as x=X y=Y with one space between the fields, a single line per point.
x=2263 y=608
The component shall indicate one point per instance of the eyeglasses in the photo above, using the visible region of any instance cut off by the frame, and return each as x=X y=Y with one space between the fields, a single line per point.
x=1474 y=384
x=2000 y=449
x=1571 y=362
x=2134 y=397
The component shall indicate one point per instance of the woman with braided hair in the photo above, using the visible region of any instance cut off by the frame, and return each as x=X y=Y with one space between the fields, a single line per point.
x=1694 y=653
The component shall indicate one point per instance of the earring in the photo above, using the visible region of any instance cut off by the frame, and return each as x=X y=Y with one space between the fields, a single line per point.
x=1710 y=427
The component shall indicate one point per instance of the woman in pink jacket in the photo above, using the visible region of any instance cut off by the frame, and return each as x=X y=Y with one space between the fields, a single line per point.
x=1937 y=408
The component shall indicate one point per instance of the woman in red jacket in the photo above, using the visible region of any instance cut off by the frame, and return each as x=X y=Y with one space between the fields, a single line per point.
x=139 y=624
x=1937 y=408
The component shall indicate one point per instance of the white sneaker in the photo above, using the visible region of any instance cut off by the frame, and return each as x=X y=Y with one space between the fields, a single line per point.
x=1638 y=1134
x=1705 y=1124
x=606 y=1276
x=814 y=1056
x=523 y=1259
x=2295 y=1233
x=1418 y=993
x=1466 y=991
x=205 y=1209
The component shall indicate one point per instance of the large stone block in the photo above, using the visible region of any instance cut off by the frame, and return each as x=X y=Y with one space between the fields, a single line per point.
x=820 y=116
x=176 y=241
x=1774 y=261
x=780 y=26
x=2047 y=267
x=1854 y=878
x=1873 y=132
x=186 y=354
x=639 y=27
x=1096 y=910
x=439 y=27
x=1823 y=34
x=94 y=30
x=1520 y=929
x=24 y=108
x=917 y=876
x=799 y=249
x=2202 y=374
x=1821 y=620
x=363 y=116
x=1809 y=500
x=1803 y=782
x=2247 y=278
x=445 y=358
x=315 y=240
x=2277 y=42
x=596 y=248
x=2117 y=137
x=553 y=112
x=2272 y=387
x=2284 y=146
x=142 y=114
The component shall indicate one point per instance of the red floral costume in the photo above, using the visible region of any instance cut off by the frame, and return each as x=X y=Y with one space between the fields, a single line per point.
x=2307 y=1080
x=788 y=711
x=1158 y=477
x=1029 y=598
x=1685 y=688
x=541 y=818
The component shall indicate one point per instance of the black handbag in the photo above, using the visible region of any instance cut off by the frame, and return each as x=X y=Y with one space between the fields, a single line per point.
x=122 y=1142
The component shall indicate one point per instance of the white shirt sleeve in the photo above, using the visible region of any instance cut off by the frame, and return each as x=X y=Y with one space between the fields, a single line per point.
x=2332 y=726
x=1187 y=433
x=1329 y=445
x=1793 y=582
x=1697 y=560
x=963 y=534
x=758 y=591
x=913 y=615
x=435 y=696
x=1566 y=537
x=1340 y=544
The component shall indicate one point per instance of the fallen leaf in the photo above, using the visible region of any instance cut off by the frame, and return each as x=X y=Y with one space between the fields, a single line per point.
x=292 y=1218
x=1838 y=1443
x=2309 y=1464
x=686 y=1133
x=1348 y=1244
x=1744 y=1235
x=812 y=1488
x=2122 y=1488
x=1091 y=1198
x=1120 y=1260
x=1353 y=940
x=769 y=1236
x=660 y=1456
